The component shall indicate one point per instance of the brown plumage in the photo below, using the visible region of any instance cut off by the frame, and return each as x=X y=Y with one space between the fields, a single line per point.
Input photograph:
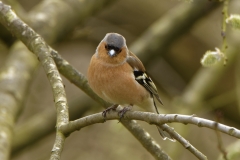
x=118 y=76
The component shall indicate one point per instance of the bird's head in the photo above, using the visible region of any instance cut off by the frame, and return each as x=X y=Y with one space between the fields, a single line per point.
x=112 y=48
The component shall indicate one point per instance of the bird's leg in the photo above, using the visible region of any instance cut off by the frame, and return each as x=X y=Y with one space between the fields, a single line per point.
x=113 y=107
x=124 y=110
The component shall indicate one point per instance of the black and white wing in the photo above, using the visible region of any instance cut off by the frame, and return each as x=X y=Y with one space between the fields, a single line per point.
x=142 y=78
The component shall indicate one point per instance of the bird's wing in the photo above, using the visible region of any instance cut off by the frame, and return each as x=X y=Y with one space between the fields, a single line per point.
x=135 y=62
x=141 y=76
x=143 y=79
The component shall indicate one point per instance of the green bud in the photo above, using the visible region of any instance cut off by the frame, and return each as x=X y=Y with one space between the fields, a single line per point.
x=234 y=21
x=211 y=58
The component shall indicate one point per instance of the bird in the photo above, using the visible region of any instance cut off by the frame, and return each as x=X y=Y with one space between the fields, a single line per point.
x=119 y=77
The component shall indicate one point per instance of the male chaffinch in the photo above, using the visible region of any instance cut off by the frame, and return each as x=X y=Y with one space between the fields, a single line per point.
x=117 y=75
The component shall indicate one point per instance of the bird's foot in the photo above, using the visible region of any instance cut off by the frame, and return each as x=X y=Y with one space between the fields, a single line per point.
x=123 y=111
x=113 y=107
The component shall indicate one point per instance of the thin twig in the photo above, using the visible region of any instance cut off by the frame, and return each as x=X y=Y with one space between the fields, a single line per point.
x=219 y=138
x=224 y=29
x=184 y=142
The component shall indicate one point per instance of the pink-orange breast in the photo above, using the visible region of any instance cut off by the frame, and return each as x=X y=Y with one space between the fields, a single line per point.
x=115 y=84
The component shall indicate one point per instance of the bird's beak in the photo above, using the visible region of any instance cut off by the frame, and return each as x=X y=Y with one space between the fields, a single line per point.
x=112 y=52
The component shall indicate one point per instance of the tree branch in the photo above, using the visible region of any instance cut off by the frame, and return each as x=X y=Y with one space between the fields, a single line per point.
x=151 y=118
x=147 y=141
x=37 y=45
x=157 y=119
x=184 y=142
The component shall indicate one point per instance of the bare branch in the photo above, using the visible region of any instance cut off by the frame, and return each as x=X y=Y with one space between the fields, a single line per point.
x=151 y=118
x=17 y=8
x=38 y=46
x=146 y=140
x=219 y=138
x=157 y=119
x=184 y=142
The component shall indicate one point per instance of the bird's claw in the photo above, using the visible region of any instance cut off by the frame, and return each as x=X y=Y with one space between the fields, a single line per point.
x=122 y=112
x=113 y=107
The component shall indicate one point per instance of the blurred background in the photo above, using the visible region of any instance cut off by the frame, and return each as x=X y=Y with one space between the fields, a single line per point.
x=170 y=37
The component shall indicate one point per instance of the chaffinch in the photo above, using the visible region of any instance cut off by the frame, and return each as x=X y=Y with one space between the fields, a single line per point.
x=118 y=76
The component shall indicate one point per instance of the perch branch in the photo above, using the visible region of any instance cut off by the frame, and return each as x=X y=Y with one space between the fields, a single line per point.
x=151 y=118
x=157 y=119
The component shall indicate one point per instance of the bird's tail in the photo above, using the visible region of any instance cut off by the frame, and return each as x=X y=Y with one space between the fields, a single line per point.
x=165 y=135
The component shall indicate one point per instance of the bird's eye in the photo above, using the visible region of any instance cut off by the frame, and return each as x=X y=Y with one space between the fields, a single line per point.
x=119 y=50
x=109 y=47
